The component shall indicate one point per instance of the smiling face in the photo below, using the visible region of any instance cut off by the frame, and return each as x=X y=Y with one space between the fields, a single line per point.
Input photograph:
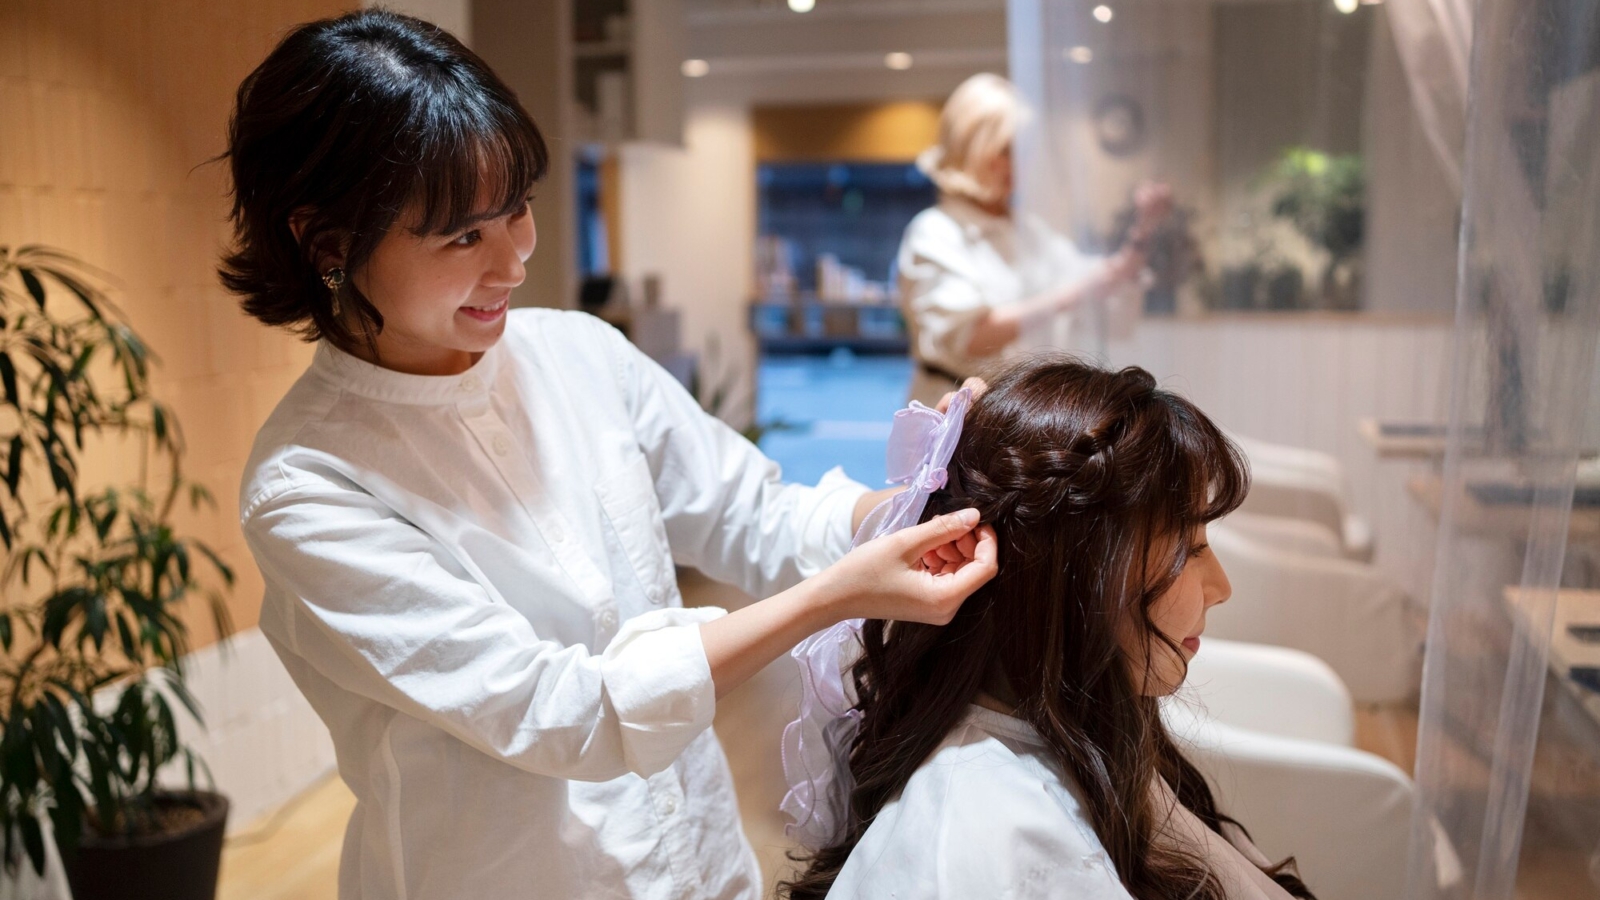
x=1180 y=615
x=444 y=298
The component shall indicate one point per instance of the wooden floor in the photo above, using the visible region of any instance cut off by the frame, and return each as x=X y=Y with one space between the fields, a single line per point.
x=293 y=853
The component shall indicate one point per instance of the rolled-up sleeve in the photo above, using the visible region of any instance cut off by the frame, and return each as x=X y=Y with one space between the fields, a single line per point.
x=941 y=297
x=385 y=611
x=727 y=510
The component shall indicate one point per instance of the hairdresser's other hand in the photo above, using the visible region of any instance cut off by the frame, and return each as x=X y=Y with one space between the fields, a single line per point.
x=1152 y=202
x=1123 y=266
x=974 y=384
x=951 y=554
x=888 y=578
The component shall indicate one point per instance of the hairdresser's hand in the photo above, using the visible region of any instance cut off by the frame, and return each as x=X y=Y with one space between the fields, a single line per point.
x=881 y=579
x=1123 y=266
x=1152 y=202
x=889 y=577
x=974 y=384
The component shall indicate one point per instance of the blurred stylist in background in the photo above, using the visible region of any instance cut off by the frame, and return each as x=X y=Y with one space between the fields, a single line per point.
x=979 y=279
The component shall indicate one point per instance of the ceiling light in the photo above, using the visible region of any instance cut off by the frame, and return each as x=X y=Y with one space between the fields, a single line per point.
x=802 y=6
x=898 y=61
x=695 y=68
x=1080 y=54
x=1346 y=6
x=1103 y=13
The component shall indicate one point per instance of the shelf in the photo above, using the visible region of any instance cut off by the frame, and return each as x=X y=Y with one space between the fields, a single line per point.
x=817 y=327
x=599 y=49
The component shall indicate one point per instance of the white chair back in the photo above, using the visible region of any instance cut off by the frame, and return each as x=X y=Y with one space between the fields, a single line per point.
x=1345 y=613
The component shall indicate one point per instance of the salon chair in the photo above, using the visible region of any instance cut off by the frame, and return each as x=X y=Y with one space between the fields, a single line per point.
x=1307 y=486
x=1294 y=535
x=1346 y=613
x=1271 y=729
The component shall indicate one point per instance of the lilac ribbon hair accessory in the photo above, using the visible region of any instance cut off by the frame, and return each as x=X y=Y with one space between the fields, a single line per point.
x=816 y=745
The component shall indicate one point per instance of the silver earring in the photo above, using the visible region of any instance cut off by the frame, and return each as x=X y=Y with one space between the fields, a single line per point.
x=334 y=279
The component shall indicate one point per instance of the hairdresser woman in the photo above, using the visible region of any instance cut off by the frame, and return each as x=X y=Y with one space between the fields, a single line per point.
x=978 y=279
x=467 y=517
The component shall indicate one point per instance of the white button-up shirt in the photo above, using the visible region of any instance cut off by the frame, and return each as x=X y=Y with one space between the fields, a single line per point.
x=989 y=814
x=957 y=261
x=471 y=579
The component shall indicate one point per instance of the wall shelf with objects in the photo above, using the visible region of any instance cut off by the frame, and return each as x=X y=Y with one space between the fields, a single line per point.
x=804 y=324
x=626 y=58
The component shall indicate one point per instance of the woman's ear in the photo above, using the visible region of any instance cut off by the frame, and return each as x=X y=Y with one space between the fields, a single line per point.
x=297 y=222
x=327 y=253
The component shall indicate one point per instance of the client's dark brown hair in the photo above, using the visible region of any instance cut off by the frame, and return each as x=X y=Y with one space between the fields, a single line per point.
x=1087 y=475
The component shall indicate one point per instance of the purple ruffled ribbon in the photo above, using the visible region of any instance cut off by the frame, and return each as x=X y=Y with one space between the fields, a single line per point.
x=816 y=745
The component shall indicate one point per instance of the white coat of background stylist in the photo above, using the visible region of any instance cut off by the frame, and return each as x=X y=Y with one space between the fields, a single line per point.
x=980 y=280
x=467 y=517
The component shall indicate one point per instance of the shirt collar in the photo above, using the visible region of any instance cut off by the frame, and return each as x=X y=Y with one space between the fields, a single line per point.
x=1002 y=725
x=361 y=377
x=974 y=220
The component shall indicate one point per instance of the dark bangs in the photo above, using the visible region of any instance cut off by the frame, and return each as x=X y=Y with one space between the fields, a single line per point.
x=464 y=152
x=443 y=132
x=1198 y=476
x=1208 y=474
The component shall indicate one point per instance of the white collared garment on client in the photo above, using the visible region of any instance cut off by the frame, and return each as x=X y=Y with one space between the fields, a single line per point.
x=471 y=579
x=956 y=261
x=990 y=815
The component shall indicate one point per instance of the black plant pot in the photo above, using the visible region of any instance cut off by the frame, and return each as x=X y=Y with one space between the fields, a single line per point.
x=178 y=866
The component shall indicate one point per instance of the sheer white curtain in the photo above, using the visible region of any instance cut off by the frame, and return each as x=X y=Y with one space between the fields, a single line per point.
x=1495 y=532
x=1434 y=38
x=1509 y=738
x=1220 y=92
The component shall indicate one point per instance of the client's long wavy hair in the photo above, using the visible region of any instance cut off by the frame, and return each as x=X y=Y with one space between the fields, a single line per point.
x=1094 y=481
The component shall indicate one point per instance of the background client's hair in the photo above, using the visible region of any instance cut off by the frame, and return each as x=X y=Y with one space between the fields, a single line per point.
x=1094 y=481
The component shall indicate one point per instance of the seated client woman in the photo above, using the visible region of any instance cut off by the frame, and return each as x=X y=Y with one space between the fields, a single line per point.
x=1018 y=751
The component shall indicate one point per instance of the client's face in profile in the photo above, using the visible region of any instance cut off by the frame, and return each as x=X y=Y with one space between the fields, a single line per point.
x=1180 y=615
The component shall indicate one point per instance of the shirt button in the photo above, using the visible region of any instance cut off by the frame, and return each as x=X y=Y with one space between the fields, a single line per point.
x=608 y=620
x=502 y=446
x=666 y=805
x=557 y=534
x=470 y=383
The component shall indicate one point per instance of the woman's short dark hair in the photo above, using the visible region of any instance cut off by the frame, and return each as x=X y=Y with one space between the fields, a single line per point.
x=347 y=123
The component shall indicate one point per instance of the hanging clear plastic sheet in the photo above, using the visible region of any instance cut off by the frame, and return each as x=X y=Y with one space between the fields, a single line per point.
x=1418 y=391
x=1509 y=735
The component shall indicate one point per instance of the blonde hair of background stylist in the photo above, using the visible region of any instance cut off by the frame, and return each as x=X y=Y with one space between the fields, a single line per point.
x=976 y=129
x=975 y=274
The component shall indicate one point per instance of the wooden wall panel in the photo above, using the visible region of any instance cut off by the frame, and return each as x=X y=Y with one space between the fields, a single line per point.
x=109 y=110
x=880 y=132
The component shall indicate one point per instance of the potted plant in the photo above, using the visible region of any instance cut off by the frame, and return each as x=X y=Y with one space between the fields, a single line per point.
x=93 y=646
x=713 y=387
x=1324 y=197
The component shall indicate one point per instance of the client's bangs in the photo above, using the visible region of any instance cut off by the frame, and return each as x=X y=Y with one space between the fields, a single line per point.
x=1211 y=469
x=468 y=153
